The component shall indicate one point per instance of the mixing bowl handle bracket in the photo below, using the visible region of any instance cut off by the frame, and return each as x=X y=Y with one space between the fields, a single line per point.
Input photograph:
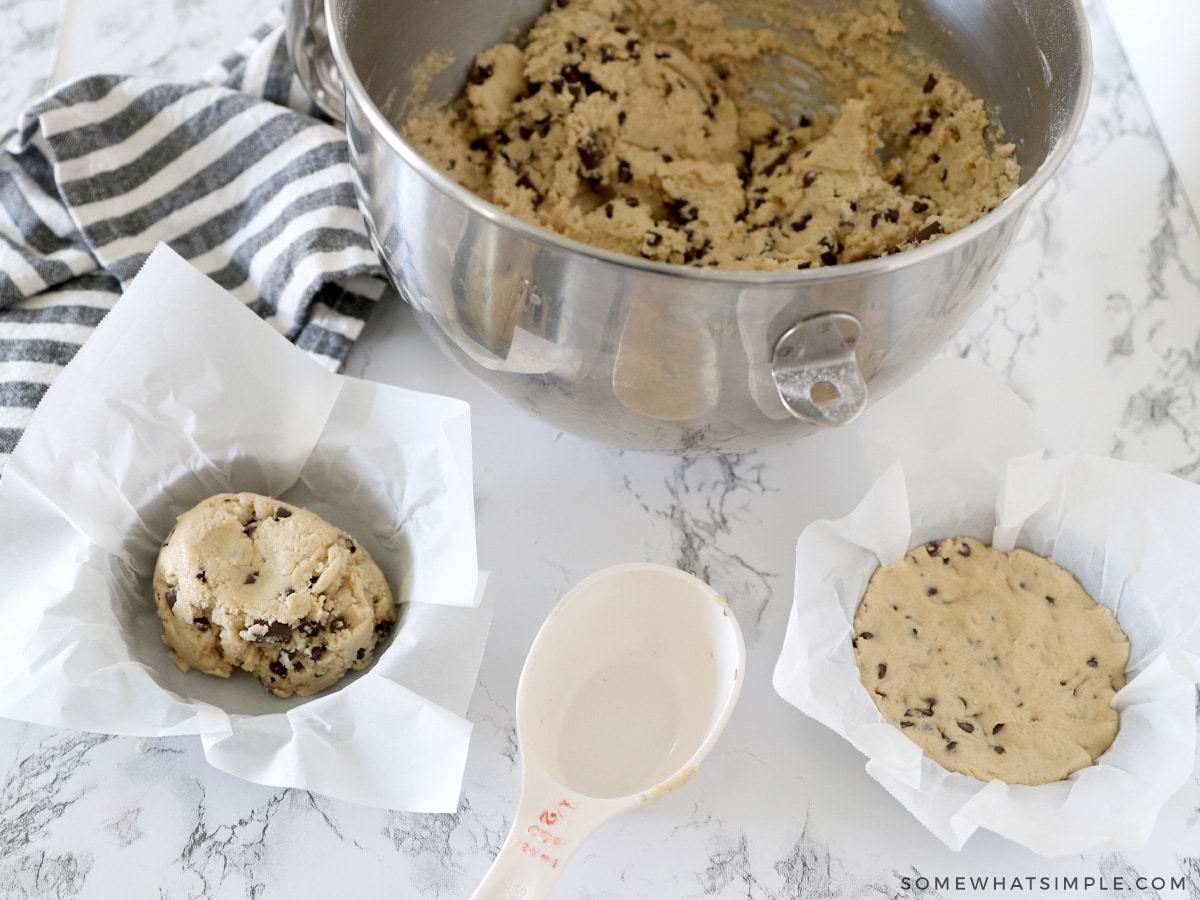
x=815 y=369
x=306 y=31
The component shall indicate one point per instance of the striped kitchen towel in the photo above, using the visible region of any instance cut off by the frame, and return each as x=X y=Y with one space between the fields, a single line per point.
x=235 y=172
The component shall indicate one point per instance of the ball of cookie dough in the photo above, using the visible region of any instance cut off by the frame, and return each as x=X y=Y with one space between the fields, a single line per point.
x=246 y=581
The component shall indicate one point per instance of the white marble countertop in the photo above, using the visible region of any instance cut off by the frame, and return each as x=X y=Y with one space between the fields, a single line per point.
x=1094 y=321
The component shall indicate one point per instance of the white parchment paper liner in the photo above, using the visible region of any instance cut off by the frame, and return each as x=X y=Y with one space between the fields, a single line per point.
x=961 y=455
x=181 y=393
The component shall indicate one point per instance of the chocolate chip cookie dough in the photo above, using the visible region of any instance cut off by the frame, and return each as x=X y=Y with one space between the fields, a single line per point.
x=245 y=581
x=640 y=126
x=997 y=665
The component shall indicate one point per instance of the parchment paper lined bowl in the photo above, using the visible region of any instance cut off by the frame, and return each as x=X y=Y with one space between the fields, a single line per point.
x=1124 y=531
x=169 y=403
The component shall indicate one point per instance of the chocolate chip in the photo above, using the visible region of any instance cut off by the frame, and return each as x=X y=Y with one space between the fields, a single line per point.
x=802 y=223
x=829 y=259
x=201 y=623
x=308 y=628
x=930 y=84
x=867 y=635
x=964 y=549
x=171 y=595
x=315 y=653
x=892 y=215
x=924 y=234
x=951 y=746
x=592 y=152
x=695 y=254
x=202 y=577
x=1050 y=600
x=919 y=206
x=999 y=750
x=913 y=713
x=931 y=591
x=524 y=181
x=1093 y=662
x=313 y=578
x=251 y=577
x=631 y=201
x=921 y=128
x=680 y=212
x=997 y=728
x=810 y=178
x=278 y=632
x=338 y=624
x=653 y=239
x=881 y=670
x=384 y=628
x=480 y=73
x=967 y=727
x=769 y=168
x=362 y=651
x=608 y=210
x=278 y=668
x=282 y=513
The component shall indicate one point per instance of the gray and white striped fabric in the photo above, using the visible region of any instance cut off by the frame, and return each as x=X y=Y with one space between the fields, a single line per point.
x=235 y=172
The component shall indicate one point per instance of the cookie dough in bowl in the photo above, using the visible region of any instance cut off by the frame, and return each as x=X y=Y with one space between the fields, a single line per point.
x=998 y=665
x=245 y=581
x=662 y=131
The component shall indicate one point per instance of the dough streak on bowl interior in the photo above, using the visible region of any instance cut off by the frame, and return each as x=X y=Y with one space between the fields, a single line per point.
x=651 y=356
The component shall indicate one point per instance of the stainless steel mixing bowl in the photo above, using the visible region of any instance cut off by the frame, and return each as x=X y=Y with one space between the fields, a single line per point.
x=651 y=356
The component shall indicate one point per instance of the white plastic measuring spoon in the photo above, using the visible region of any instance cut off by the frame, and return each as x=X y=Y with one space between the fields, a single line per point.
x=627 y=687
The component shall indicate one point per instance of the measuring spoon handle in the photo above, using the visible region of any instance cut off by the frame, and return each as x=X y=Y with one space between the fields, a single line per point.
x=551 y=823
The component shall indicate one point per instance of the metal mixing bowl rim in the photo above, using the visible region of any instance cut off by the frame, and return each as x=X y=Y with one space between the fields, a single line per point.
x=750 y=278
